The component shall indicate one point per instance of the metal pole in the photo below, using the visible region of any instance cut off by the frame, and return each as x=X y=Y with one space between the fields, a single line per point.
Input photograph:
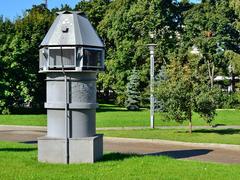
x=66 y=120
x=66 y=113
x=151 y=48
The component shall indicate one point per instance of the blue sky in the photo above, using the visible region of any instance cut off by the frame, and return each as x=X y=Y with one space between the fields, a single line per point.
x=13 y=8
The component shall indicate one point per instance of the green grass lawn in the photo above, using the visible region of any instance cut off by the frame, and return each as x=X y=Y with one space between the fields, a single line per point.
x=113 y=116
x=19 y=161
x=223 y=136
x=27 y=120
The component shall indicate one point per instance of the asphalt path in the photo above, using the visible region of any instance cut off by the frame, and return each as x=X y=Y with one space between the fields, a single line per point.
x=229 y=154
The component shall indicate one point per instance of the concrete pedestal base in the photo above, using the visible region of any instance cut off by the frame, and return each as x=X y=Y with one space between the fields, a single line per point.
x=82 y=150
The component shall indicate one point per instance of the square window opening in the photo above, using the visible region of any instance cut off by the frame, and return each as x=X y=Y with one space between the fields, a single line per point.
x=92 y=58
x=61 y=57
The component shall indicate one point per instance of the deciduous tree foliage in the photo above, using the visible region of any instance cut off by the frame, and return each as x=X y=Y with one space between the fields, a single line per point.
x=125 y=29
x=210 y=27
x=175 y=93
x=5 y=86
x=95 y=10
x=183 y=91
x=20 y=81
x=124 y=25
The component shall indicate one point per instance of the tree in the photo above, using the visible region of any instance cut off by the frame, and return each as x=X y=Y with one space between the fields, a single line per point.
x=21 y=83
x=183 y=91
x=209 y=27
x=234 y=55
x=235 y=4
x=175 y=93
x=64 y=7
x=133 y=93
x=125 y=29
x=205 y=102
x=5 y=40
x=95 y=10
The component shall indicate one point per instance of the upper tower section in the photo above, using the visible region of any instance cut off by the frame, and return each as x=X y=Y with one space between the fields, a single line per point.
x=71 y=44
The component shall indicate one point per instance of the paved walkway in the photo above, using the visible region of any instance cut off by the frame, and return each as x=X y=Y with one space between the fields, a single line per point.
x=179 y=150
x=12 y=127
x=194 y=151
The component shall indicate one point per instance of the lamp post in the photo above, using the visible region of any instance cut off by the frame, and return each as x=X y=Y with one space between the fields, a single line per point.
x=151 y=48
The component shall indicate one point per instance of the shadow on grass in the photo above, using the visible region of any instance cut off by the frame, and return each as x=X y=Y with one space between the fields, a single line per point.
x=178 y=154
x=216 y=125
x=110 y=110
x=17 y=149
x=117 y=156
x=106 y=108
x=218 y=131
x=29 y=142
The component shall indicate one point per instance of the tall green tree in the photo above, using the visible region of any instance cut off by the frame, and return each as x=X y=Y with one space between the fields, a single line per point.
x=95 y=10
x=125 y=29
x=234 y=55
x=21 y=83
x=209 y=27
x=235 y=4
x=5 y=86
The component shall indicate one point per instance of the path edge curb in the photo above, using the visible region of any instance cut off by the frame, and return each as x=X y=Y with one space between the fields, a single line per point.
x=189 y=144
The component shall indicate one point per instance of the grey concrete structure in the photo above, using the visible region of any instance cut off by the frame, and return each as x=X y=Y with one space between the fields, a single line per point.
x=71 y=54
x=81 y=150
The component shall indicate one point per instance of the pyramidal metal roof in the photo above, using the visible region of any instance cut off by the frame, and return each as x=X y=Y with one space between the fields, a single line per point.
x=71 y=28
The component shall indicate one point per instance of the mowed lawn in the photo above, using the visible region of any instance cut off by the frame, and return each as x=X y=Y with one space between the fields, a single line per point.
x=19 y=161
x=113 y=116
x=221 y=136
x=26 y=120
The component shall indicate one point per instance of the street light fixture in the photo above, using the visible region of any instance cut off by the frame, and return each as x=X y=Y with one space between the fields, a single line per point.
x=151 y=48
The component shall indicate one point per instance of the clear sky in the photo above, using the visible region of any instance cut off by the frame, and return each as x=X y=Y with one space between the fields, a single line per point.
x=13 y=8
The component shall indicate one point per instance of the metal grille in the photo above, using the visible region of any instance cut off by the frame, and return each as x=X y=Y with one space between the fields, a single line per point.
x=67 y=57
x=92 y=58
x=43 y=58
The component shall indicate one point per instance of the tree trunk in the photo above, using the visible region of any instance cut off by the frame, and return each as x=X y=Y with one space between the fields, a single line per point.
x=233 y=82
x=190 y=123
x=211 y=73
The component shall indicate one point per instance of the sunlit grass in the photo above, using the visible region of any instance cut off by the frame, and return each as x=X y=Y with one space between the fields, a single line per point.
x=114 y=116
x=222 y=136
x=19 y=161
